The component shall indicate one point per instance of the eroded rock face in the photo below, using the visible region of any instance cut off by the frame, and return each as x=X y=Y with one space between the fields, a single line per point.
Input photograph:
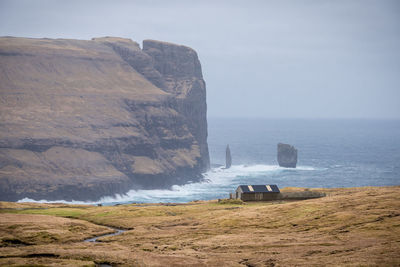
x=287 y=156
x=84 y=119
x=181 y=70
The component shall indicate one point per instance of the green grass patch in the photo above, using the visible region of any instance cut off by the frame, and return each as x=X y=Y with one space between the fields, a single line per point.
x=230 y=201
x=61 y=212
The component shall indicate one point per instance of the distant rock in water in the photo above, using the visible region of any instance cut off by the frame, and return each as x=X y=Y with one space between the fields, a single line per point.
x=228 y=163
x=287 y=156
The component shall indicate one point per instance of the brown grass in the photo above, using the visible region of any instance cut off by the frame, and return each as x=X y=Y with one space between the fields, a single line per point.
x=353 y=226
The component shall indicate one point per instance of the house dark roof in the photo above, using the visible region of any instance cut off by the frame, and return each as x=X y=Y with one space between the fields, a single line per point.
x=269 y=188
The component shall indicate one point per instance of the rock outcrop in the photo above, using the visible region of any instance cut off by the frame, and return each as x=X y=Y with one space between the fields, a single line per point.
x=287 y=156
x=228 y=158
x=84 y=119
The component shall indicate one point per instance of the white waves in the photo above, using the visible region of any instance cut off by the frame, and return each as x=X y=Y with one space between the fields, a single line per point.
x=56 y=201
x=218 y=183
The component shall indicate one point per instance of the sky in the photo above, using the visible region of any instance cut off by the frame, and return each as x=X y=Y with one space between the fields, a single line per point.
x=260 y=59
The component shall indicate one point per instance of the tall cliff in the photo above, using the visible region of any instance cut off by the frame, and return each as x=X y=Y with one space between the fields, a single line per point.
x=83 y=119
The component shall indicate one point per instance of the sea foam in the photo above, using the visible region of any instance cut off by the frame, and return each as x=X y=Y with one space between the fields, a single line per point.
x=218 y=182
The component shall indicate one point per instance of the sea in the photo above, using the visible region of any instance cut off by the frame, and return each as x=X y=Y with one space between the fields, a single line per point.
x=332 y=153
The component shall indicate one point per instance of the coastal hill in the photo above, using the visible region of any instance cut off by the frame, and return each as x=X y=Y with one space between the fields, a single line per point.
x=348 y=227
x=81 y=119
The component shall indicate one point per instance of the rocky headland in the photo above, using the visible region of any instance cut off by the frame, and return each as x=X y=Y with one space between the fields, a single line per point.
x=84 y=119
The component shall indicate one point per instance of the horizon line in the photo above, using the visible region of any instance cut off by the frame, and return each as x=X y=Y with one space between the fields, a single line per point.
x=303 y=118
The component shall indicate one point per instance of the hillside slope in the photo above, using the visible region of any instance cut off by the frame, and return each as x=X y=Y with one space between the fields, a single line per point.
x=83 y=119
x=349 y=227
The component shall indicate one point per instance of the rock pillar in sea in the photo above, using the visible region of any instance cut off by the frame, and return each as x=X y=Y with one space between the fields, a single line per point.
x=228 y=158
x=287 y=156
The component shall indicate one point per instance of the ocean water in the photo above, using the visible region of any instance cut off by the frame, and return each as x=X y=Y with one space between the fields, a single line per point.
x=331 y=153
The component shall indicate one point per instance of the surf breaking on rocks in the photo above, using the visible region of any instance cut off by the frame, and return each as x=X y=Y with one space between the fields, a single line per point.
x=217 y=183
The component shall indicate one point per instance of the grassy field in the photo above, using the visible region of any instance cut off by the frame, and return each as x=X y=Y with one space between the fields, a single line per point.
x=351 y=226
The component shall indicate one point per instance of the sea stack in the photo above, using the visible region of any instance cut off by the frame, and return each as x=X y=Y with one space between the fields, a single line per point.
x=287 y=156
x=228 y=163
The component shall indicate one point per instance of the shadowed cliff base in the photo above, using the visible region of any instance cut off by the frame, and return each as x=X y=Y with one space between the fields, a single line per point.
x=83 y=119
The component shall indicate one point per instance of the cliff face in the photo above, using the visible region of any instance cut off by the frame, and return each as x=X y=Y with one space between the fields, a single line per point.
x=84 y=119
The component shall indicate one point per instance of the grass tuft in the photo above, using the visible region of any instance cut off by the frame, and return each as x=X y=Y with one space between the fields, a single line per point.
x=231 y=201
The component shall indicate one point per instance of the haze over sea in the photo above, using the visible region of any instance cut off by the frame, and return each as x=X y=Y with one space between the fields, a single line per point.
x=331 y=153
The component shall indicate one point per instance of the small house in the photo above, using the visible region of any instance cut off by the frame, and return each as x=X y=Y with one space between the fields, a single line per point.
x=257 y=192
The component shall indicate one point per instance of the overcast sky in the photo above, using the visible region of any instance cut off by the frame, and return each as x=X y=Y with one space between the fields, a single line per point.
x=292 y=59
